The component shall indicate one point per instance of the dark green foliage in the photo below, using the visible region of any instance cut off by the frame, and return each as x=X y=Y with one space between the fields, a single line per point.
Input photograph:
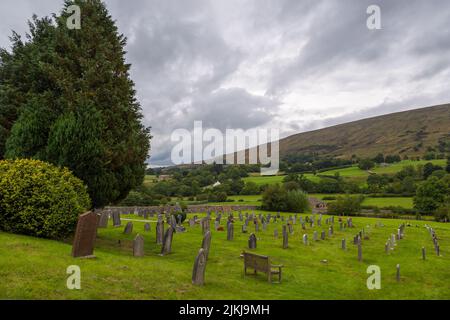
x=277 y=198
x=39 y=199
x=347 y=205
x=366 y=164
x=431 y=194
x=74 y=103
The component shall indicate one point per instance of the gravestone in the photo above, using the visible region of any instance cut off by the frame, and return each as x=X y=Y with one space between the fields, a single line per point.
x=138 y=246
x=386 y=248
x=198 y=274
x=147 y=227
x=291 y=228
x=398 y=272
x=128 y=228
x=116 y=219
x=344 y=244
x=252 y=241
x=275 y=233
x=191 y=223
x=305 y=239
x=104 y=219
x=315 y=236
x=85 y=234
x=167 y=242
x=160 y=232
x=285 y=237
x=244 y=228
x=423 y=253
x=230 y=231
x=205 y=225
x=322 y=236
x=206 y=243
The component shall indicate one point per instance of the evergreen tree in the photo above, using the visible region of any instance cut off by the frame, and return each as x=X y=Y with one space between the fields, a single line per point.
x=76 y=106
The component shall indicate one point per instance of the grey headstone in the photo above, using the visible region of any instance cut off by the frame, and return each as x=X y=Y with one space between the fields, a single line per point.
x=198 y=273
x=206 y=243
x=285 y=237
x=138 y=246
x=167 y=242
x=116 y=219
x=104 y=219
x=252 y=241
x=343 y=244
x=230 y=231
x=128 y=228
x=147 y=227
x=160 y=232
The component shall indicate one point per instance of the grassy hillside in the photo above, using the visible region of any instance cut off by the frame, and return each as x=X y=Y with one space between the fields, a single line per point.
x=405 y=133
x=27 y=274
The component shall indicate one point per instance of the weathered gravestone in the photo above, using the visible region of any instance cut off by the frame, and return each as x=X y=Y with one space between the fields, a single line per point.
x=205 y=225
x=230 y=231
x=244 y=228
x=138 y=246
x=344 y=244
x=116 y=219
x=160 y=232
x=147 y=227
x=398 y=272
x=315 y=236
x=85 y=234
x=198 y=273
x=322 y=236
x=252 y=241
x=206 y=243
x=285 y=238
x=167 y=242
x=128 y=228
x=305 y=239
x=103 y=220
x=275 y=233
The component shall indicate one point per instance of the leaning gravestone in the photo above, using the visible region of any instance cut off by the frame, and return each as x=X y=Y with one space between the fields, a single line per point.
x=159 y=232
x=252 y=241
x=198 y=274
x=167 y=242
x=104 y=219
x=206 y=243
x=85 y=234
x=138 y=246
x=128 y=228
x=116 y=219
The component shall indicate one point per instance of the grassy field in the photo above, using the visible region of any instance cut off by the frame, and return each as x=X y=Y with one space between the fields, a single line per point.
x=355 y=172
x=36 y=269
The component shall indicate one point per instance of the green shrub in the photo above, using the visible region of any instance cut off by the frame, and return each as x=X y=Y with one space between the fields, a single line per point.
x=297 y=201
x=39 y=199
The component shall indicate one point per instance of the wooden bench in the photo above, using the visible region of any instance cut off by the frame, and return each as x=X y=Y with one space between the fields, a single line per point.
x=262 y=264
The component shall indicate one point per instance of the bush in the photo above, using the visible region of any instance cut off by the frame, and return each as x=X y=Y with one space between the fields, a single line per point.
x=277 y=198
x=297 y=201
x=39 y=199
x=348 y=205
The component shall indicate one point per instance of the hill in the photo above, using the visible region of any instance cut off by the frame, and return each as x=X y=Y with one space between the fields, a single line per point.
x=406 y=133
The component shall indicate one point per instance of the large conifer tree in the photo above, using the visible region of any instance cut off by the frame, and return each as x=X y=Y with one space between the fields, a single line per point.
x=75 y=105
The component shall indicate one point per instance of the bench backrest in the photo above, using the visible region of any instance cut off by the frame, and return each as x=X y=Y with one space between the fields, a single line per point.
x=257 y=262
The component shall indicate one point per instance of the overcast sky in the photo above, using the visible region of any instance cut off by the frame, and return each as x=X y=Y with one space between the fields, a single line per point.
x=295 y=65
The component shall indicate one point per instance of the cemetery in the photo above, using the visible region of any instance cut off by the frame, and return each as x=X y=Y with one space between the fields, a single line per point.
x=148 y=255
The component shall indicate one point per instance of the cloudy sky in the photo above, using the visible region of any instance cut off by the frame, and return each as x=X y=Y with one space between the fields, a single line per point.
x=295 y=65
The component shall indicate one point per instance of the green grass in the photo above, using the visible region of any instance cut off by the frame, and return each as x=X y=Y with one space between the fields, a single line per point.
x=355 y=172
x=262 y=180
x=404 y=202
x=36 y=269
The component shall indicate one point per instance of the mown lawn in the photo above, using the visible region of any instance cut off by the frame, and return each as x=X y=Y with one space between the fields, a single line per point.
x=36 y=269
